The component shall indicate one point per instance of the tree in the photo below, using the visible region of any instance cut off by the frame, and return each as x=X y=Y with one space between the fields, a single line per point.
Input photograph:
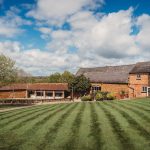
x=67 y=77
x=24 y=77
x=81 y=85
x=8 y=71
x=54 y=78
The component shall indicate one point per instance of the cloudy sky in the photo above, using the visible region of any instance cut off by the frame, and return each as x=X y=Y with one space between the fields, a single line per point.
x=47 y=36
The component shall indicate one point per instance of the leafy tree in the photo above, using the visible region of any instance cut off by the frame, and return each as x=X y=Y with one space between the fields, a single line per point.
x=8 y=71
x=26 y=80
x=80 y=84
x=67 y=77
x=54 y=78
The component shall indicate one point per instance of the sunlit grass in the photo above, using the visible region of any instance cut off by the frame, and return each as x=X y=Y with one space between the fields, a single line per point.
x=108 y=125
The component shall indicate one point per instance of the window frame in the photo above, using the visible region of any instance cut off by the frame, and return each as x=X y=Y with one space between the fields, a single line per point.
x=47 y=92
x=40 y=92
x=138 y=77
x=96 y=88
x=59 y=92
x=144 y=89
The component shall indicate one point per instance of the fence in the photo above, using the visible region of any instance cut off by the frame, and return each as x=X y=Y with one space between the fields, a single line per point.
x=29 y=101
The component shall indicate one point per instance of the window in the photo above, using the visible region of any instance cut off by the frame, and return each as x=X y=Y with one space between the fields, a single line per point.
x=39 y=93
x=49 y=94
x=138 y=77
x=58 y=94
x=96 y=88
x=31 y=94
x=144 y=89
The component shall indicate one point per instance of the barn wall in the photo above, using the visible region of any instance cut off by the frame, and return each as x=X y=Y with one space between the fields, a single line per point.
x=136 y=85
x=114 y=88
x=11 y=94
x=143 y=81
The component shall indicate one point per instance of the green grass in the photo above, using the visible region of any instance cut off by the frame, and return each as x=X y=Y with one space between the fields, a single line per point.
x=108 y=125
x=3 y=107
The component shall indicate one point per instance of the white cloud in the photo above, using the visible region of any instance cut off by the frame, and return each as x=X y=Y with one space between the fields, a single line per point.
x=111 y=38
x=108 y=37
x=107 y=40
x=45 y=30
x=55 y=12
x=143 y=36
x=36 y=61
x=102 y=40
x=8 y=46
x=11 y=22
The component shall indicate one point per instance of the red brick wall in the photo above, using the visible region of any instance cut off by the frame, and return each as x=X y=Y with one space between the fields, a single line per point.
x=115 y=88
x=144 y=79
x=136 y=85
x=11 y=94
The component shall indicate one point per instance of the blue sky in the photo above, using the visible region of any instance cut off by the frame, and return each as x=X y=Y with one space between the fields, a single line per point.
x=45 y=36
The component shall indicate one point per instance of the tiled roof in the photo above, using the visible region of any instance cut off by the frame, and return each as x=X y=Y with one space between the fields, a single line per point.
x=36 y=86
x=108 y=74
x=141 y=67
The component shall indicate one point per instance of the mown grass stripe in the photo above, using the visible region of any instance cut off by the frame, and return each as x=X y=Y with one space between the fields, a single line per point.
x=107 y=131
x=10 y=112
x=144 y=104
x=36 y=115
x=35 y=127
x=133 y=123
x=46 y=118
x=117 y=129
x=18 y=112
x=72 y=143
x=16 y=118
x=134 y=110
x=85 y=141
x=136 y=105
x=95 y=128
x=31 y=132
x=51 y=133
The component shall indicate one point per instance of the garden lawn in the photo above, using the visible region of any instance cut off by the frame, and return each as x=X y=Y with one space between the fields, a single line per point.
x=107 y=125
x=3 y=107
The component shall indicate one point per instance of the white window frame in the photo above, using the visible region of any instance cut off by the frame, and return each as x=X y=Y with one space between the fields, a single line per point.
x=58 y=92
x=96 y=88
x=49 y=92
x=148 y=89
x=40 y=92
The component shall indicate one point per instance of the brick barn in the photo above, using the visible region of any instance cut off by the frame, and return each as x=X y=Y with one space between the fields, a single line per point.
x=35 y=91
x=139 y=80
x=132 y=80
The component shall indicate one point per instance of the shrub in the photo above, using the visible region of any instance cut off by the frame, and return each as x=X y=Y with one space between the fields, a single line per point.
x=104 y=96
x=86 y=98
x=122 y=94
x=99 y=96
x=110 y=96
